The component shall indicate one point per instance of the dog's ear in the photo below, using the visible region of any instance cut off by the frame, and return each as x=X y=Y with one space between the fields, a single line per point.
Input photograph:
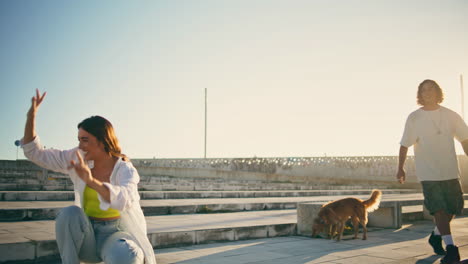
x=314 y=231
x=315 y=224
x=318 y=221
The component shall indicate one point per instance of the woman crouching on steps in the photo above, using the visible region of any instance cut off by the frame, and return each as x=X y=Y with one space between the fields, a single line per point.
x=106 y=223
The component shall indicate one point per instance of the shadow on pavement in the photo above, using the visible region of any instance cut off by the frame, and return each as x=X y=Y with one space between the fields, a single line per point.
x=385 y=244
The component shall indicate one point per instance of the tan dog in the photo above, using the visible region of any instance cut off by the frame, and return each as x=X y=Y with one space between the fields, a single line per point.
x=334 y=215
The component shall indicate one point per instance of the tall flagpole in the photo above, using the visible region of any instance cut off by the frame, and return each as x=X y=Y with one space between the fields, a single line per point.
x=206 y=110
x=462 y=97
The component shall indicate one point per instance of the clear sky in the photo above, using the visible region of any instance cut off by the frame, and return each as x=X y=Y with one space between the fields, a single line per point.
x=284 y=78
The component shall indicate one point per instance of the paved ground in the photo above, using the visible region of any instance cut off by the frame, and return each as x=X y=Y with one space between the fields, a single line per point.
x=405 y=245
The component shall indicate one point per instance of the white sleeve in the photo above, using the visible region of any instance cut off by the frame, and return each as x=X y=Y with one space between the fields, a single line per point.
x=461 y=130
x=409 y=137
x=125 y=193
x=51 y=159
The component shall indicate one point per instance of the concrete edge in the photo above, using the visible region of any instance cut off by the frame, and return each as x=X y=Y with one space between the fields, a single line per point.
x=41 y=251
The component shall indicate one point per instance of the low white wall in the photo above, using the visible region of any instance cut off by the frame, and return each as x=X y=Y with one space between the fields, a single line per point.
x=327 y=170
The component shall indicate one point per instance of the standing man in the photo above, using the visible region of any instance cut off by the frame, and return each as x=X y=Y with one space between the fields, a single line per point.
x=432 y=129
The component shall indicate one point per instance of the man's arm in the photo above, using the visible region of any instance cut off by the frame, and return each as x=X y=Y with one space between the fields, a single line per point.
x=401 y=174
x=465 y=146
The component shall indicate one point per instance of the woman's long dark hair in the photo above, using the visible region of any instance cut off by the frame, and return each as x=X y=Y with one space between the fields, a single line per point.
x=102 y=129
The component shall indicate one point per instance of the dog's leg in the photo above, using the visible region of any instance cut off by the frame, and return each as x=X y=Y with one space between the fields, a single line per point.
x=341 y=229
x=364 y=226
x=333 y=230
x=355 y=226
x=337 y=231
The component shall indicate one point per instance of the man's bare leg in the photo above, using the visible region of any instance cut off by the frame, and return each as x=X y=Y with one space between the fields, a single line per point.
x=442 y=220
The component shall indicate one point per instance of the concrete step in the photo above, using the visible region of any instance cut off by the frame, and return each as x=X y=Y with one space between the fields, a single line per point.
x=47 y=210
x=54 y=184
x=34 y=241
x=50 y=184
x=69 y=196
x=31 y=181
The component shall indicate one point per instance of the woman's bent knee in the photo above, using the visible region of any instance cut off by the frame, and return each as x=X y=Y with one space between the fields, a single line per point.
x=71 y=211
x=124 y=251
x=68 y=214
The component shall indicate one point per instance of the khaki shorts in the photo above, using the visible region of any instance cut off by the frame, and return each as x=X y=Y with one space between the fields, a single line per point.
x=443 y=195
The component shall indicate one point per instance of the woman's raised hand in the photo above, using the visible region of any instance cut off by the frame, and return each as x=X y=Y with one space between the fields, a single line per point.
x=29 y=129
x=35 y=102
x=82 y=168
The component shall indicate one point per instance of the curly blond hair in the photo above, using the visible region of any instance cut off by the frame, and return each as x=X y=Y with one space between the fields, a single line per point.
x=440 y=93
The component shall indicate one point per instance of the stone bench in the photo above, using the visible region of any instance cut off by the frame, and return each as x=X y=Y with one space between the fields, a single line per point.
x=389 y=214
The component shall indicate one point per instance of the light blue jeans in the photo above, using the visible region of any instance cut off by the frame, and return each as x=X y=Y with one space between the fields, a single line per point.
x=82 y=239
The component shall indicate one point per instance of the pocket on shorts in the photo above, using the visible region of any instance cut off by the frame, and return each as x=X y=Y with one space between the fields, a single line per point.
x=433 y=196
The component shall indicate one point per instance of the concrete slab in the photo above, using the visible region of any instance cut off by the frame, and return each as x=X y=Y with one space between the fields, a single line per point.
x=38 y=237
x=388 y=215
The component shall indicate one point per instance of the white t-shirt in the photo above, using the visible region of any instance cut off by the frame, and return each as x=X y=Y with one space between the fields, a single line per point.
x=432 y=133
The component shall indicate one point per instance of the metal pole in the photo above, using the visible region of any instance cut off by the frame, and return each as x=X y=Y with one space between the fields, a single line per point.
x=462 y=97
x=206 y=110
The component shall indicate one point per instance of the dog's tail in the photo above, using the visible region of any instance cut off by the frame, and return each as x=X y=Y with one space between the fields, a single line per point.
x=373 y=202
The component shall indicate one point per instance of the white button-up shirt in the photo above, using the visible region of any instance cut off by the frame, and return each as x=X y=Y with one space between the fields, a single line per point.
x=123 y=189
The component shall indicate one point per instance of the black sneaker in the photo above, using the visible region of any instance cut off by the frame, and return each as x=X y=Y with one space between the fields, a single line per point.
x=436 y=242
x=452 y=257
